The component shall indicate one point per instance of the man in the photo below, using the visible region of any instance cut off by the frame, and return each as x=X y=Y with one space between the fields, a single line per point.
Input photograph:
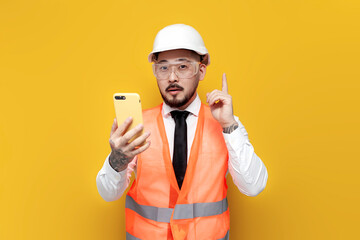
x=180 y=186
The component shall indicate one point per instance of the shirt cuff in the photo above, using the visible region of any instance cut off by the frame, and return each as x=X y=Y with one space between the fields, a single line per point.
x=237 y=137
x=114 y=175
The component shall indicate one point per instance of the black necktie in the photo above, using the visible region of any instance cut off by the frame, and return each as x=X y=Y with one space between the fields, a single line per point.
x=180 y=145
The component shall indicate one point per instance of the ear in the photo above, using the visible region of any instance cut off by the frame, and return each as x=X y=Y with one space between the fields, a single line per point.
x=202 y=71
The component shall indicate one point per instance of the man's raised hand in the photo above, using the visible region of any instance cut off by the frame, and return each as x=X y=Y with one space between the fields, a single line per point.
x=220 y=103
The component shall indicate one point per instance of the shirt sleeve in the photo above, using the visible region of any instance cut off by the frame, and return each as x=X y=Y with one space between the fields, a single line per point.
x=246 y=168
x=112 y=184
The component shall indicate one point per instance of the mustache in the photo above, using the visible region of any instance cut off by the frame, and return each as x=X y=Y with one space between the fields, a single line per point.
x=174 y=85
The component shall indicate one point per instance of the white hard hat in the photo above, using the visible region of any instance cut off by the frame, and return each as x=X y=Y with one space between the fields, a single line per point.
x=179 y=36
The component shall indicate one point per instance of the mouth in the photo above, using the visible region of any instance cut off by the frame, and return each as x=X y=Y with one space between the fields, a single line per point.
x=174 y=90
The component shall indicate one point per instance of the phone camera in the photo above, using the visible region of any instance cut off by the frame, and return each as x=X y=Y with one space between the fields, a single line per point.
x=120 y=97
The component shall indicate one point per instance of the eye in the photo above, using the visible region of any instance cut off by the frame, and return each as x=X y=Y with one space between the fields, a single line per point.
x=163 y=68
x=183 y=66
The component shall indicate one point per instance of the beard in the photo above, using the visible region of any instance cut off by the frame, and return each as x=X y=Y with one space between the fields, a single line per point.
x=176 y=103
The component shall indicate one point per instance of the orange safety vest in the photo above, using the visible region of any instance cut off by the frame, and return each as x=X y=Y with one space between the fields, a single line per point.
x=155 y=207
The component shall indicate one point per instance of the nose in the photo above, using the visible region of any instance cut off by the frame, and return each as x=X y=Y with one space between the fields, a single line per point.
x=173 y=77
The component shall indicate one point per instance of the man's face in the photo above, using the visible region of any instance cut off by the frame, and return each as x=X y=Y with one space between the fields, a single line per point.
x=179 y=92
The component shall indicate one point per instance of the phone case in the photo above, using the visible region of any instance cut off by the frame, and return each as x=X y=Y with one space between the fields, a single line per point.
x=128 y=105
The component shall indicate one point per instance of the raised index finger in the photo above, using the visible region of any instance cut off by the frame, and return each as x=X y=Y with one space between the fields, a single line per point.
x=224 y=83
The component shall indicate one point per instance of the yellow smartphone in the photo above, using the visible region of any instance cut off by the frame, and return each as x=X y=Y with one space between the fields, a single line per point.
x=128 y=105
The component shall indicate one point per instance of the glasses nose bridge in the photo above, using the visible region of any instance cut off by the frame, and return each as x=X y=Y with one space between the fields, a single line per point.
x=173 y=69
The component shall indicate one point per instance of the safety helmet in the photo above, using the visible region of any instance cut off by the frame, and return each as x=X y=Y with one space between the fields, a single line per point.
x=179 y=36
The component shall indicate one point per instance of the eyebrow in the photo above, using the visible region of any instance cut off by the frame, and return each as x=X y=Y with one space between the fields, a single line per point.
x=178 y=60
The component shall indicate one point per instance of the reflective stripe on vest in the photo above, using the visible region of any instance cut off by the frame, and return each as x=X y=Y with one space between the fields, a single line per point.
x=153 y=213
x=131 y=237
x=186 y=211
x=182 y=211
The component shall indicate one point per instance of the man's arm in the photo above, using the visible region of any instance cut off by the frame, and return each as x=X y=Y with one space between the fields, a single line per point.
x=246 y=168
x=248 y=171
x=112 y=184
x=114 y=177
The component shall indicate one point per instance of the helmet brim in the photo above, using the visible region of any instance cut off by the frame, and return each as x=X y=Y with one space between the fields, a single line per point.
x=202 y=53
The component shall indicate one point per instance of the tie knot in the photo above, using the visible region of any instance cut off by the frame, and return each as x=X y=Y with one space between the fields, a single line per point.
x=179 y=114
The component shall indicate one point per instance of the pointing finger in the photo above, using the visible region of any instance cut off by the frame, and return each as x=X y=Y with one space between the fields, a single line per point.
x=224 y=83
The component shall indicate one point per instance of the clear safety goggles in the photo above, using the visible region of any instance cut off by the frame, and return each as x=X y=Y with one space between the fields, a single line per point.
x=184 y=69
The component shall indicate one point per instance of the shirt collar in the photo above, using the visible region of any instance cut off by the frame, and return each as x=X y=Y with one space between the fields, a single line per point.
x=193 y=108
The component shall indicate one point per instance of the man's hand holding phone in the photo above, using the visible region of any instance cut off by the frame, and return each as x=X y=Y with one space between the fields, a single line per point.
x=123 y=151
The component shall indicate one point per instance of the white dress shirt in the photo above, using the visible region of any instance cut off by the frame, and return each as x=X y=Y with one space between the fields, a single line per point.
x=246 y=168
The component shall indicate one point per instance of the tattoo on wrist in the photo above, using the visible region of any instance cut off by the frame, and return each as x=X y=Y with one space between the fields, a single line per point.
x=118 y=160
x=231 y=128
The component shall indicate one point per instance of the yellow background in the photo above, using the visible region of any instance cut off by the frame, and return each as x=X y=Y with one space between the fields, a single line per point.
x=293 y=72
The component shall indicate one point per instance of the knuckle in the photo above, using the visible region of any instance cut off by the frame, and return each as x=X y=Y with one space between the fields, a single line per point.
x=131 y=145
x=125 y=153
x=134 y=153
x=137 y=151
x=118 y=142
x=119 y=146
x=119 y=150
x=126 y=137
